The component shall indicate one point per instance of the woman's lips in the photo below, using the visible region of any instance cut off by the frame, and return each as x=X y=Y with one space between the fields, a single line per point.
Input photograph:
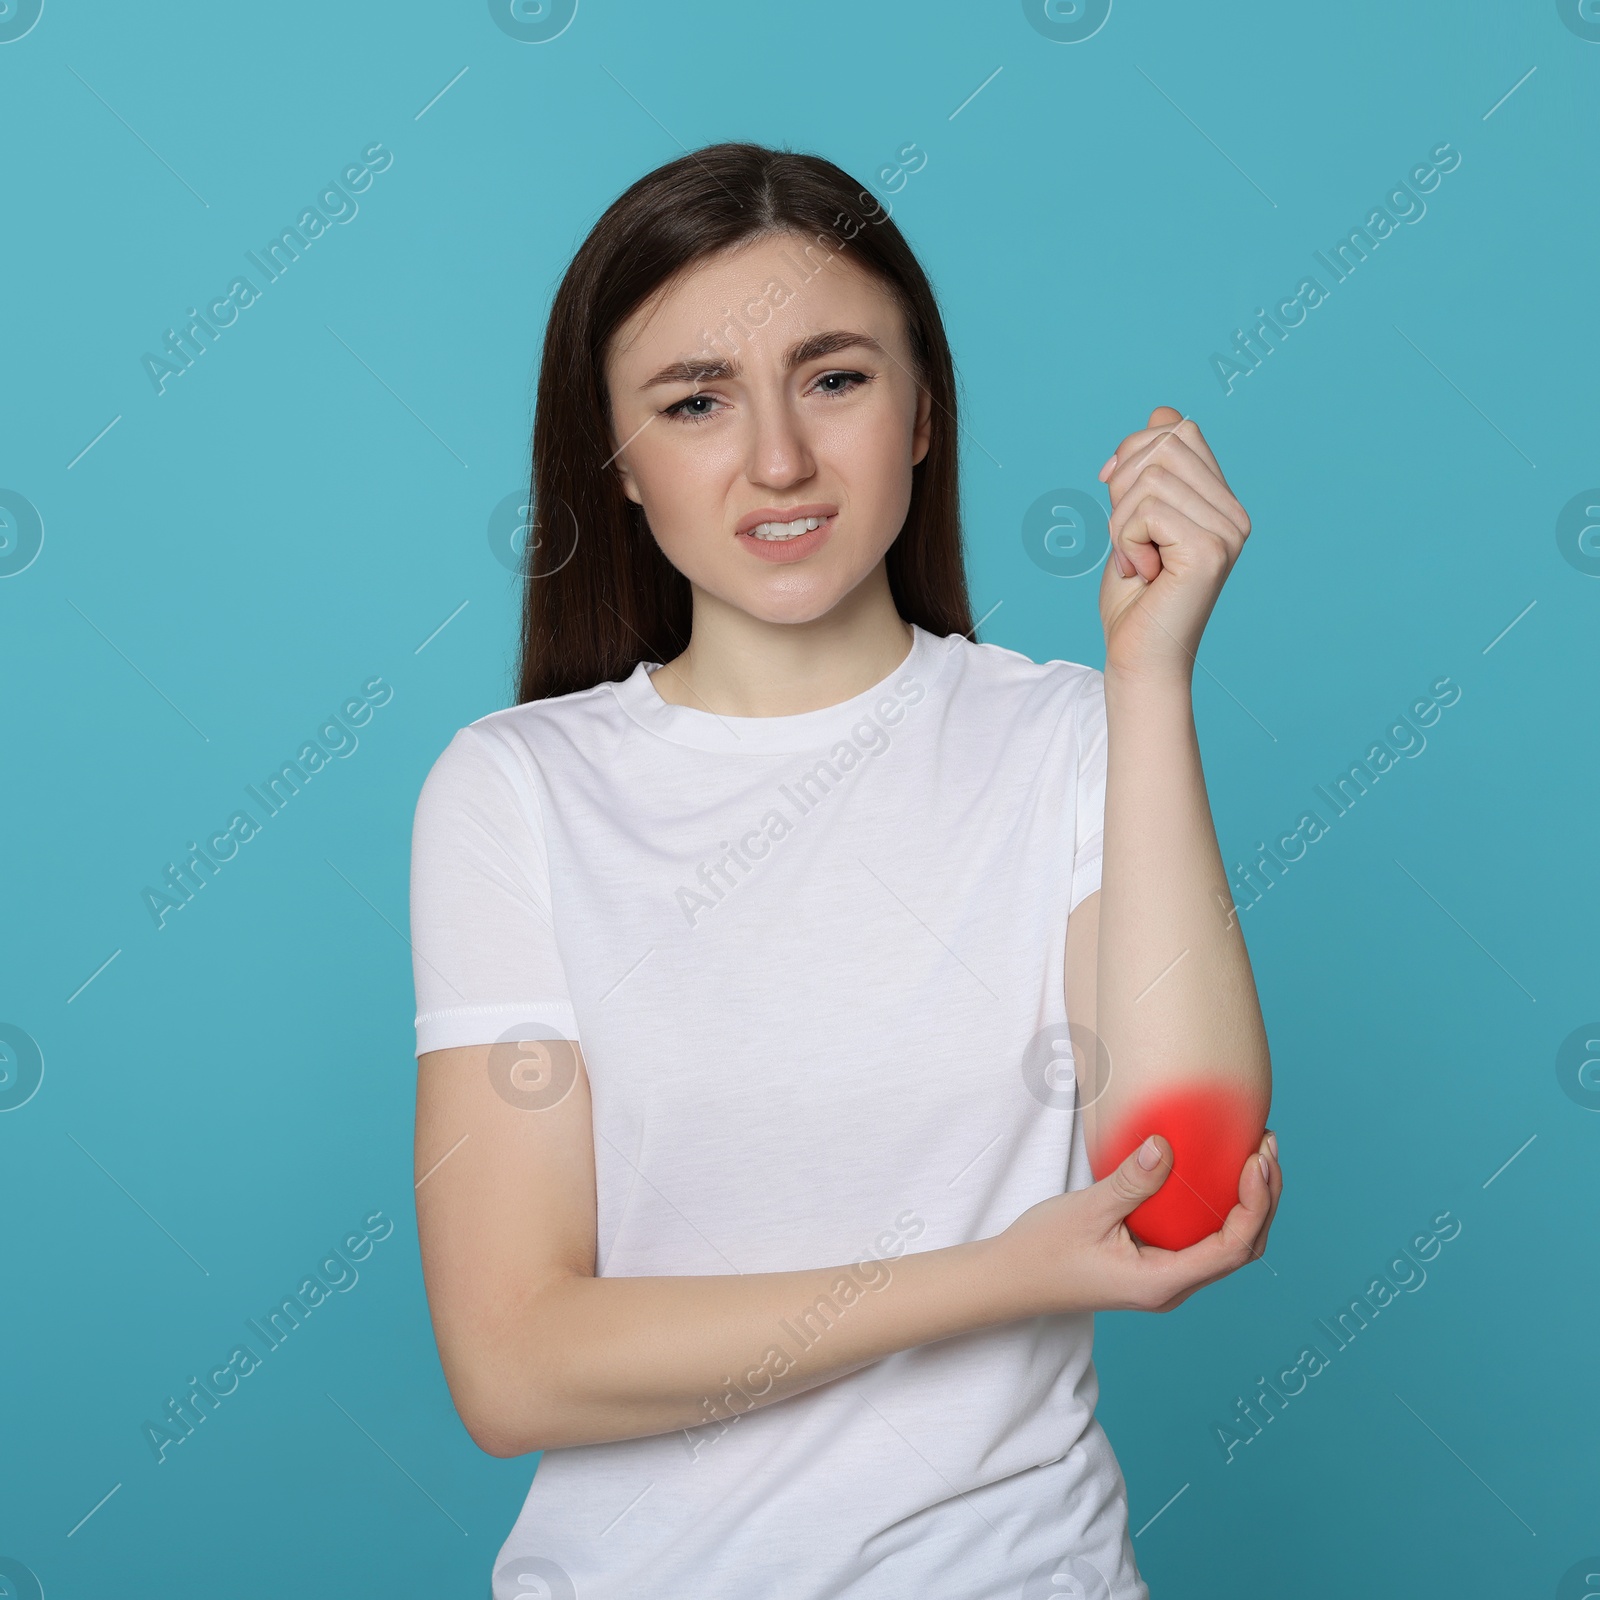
x=782 y=551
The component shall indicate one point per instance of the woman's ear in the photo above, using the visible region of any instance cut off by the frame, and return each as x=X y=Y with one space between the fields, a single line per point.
x=625 y=477
x=618 y=459
x=922 y=430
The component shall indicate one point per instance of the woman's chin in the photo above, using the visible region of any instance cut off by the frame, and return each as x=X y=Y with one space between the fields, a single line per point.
x=780 y=594
x=783 y=605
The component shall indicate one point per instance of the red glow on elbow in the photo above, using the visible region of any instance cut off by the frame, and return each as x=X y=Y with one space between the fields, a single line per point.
x=1213 y=1130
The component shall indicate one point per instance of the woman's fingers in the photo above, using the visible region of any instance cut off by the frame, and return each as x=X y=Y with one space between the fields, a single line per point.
x=1162 y=420
x=1177 y=1274
x=1189 y=432
x=1136 y=449
x=1172 y=455
x=1245 y=1227
x=1276 y=1185
x=1172 y=514
x=1166 y=494
x=1155 y=524
x=1274 y=1188
x=1174 y=483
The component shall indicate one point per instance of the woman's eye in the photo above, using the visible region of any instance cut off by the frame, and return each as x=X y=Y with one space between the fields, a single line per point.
x=851 y=380
x=682 y=412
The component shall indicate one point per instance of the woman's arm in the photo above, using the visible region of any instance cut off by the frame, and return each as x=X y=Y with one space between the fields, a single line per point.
x=540 y=1354
x=1162 y=974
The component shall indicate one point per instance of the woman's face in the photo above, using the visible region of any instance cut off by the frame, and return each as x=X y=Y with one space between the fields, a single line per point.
x=769 y=387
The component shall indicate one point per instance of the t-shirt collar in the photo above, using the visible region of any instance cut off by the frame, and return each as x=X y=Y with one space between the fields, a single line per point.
x=805 y=730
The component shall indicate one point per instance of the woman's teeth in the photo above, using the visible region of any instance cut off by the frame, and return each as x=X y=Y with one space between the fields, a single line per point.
x=786 y=530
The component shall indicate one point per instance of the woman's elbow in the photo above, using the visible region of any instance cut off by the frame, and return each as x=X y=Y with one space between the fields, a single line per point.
x=506 y=1367
x=496 y=1440
x=498 y=1429
x=499 y=1403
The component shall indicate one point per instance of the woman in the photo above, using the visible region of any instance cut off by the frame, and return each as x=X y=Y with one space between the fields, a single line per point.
x=753 y=1183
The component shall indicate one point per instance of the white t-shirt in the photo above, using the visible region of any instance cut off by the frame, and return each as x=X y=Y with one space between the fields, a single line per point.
x=814 y=963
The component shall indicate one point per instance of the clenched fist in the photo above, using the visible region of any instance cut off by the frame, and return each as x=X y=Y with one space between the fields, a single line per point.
x=1176 y=531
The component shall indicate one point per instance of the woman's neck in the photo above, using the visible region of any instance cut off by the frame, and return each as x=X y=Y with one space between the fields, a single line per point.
x=738 y=665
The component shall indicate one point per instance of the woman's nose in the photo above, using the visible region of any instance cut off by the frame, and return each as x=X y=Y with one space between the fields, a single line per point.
x=780 y=453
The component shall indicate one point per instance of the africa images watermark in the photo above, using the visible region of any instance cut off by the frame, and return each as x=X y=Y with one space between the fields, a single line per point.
x=1406 y=1274
x=802 y=1331
x=335 y=1274
x=335 y=203
x=335 y=739
x=1401 y=205
x=869 y=737
x=1402 y=738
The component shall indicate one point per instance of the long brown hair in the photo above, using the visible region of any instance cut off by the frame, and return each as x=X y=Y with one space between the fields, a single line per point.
x=600 y=596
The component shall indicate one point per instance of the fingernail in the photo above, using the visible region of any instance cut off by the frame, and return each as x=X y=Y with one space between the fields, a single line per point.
x=1101 y=474
x=1272 y=1142
x=1149 y=1154
x=1124 y=566
x=1266 y=1172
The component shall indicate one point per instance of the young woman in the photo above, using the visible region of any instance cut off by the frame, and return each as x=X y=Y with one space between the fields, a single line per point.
x=755 y=1148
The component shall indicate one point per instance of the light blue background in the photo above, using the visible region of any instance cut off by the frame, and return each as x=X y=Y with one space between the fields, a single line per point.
x=302 y=510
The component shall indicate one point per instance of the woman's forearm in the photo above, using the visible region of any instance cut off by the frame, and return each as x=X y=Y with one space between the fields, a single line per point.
x=1176 y=1002
x=620 y=1358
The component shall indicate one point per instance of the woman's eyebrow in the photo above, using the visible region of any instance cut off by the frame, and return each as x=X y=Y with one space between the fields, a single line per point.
x=708 y=369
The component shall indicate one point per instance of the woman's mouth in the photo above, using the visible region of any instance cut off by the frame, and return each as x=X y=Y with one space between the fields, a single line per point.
x=788 y=541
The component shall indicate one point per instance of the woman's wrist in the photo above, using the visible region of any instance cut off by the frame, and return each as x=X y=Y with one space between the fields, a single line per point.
x=1008 y=1277
x=1157 y=687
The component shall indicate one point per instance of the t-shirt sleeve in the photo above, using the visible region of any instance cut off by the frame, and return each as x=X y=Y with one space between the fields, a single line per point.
x=484 y=957
x=1091 y=791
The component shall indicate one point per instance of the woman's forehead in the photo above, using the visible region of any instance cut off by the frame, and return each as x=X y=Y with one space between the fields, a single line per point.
x=767 y=292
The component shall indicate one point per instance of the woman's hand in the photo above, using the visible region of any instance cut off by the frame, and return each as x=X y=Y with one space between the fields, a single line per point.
x=1075 y=1251
x=1176 y=530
